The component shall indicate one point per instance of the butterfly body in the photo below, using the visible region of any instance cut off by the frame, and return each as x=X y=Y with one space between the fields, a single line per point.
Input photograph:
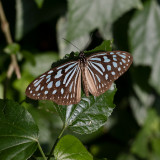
x=98 y=71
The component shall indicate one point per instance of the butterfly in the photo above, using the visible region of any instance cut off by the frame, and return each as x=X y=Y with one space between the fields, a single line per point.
x=62 y=84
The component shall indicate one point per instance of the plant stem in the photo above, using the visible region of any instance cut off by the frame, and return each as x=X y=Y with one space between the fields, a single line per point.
x=51 y=152
x=40 y=149
x=6 y=30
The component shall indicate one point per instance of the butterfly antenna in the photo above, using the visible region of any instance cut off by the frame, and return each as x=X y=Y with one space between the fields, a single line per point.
x=72 y=44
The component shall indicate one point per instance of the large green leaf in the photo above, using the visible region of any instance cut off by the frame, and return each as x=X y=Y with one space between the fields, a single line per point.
x=43 y=63
x=144 y=35
x=18 y=132
x=144 y=98
x=86 y=15
x=65 y=47
x=89 y=114
x=70 y=148
x=28 y=15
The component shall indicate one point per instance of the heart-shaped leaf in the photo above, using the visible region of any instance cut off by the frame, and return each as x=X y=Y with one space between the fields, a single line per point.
x=18 y=132
x=70 y=148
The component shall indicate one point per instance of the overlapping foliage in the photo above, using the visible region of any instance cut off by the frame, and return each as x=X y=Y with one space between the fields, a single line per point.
x=38 y=28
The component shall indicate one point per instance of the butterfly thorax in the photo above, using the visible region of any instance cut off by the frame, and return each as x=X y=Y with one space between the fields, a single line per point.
x=82 y=58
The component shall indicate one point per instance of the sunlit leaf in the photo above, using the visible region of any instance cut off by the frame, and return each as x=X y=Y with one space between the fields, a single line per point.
x=13 y=48
x=69 y=147
x=39 y=3
x=144 y=39
x=43 y=63
x=66 y=47
x=89 y=114
x=86 y=15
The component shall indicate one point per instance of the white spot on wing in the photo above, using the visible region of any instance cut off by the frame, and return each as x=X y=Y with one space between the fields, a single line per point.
x=46 y=92
x=42 y=76
x=58 y=83
x=106 y=59
x=59 y=74
x=51 y=71
x=95 y=59
x=48 y=76
x=62 y=90
x=123 y=61
x=113 y=73
x=106 y=76
x=37 y=83
x=115 y=64
x=48 y=80
x=108 y=67
x=37 y=89
x=55 y=91
x=50 y=85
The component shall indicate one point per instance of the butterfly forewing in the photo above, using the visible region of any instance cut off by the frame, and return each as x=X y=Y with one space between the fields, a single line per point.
x=104 y=68
x=61 y=84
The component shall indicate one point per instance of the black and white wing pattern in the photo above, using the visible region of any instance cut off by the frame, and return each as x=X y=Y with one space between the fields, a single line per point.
x=61 y=84
x=104 y=68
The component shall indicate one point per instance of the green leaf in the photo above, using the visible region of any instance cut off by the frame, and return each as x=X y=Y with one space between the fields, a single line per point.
x=156 y=146
x=66 y=47
x=28 y=56
x=144 y=39
x=89 y=114
x=105 y=46
x=13 y=48
x=39 y=3
x=151 y=128
x=28 y=16
x=70 y=148
x=144 y=98
x=47 y=58
x=18 y=132
x=86 y=15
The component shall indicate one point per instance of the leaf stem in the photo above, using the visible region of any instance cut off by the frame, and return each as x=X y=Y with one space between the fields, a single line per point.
x=55 y=143
x=40 y=149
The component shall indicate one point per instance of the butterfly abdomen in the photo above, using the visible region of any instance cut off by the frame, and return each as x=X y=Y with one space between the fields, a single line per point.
x=83 y=65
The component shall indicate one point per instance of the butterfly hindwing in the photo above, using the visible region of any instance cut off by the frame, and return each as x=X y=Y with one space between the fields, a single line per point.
x=61 y=84
x=104 y=68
